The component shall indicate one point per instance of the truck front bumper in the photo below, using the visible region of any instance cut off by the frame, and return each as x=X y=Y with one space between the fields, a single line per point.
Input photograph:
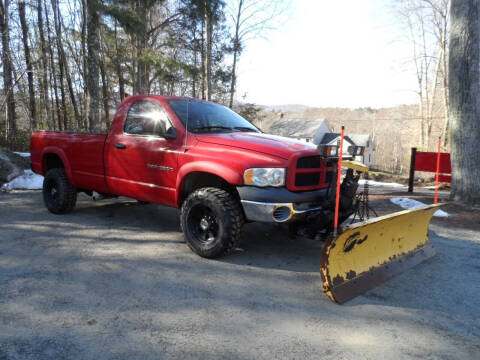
x=279 y=204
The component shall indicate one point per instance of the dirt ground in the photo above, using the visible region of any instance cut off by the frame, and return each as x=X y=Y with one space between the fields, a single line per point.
x=114 y=280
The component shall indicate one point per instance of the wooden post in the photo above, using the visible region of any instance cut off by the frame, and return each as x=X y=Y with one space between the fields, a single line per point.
x=339 y=174
x=411 y=178
x=437 y=172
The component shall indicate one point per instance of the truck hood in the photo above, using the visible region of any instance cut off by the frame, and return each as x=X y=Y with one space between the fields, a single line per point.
x=265 y=143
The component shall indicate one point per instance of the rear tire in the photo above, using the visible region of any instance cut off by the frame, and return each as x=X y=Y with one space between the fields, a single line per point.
x=211 y=221
x=59 y=195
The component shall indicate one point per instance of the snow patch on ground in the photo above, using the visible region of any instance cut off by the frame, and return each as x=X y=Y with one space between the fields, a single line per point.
x=29 y=180
x=378 y=183
x=408 y=204
x=23 y=154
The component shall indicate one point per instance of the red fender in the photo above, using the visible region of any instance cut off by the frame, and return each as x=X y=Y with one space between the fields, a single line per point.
x=229 y=175
x=61 y=154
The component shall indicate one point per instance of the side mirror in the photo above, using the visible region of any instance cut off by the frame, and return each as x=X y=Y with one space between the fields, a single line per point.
x=170 y=133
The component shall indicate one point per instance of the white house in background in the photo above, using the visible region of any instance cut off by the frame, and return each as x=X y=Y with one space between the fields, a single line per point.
x=334 y=139
x=308 y=130
x=364 y=140
x=317 y=131
x=353 y=139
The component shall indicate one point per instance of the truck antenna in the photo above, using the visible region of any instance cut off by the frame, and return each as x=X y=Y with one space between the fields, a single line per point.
x=186 y=129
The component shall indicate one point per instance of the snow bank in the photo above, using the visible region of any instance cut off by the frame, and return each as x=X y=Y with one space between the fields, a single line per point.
x=23 y=154
x=408 y=204
x=378 y=183
x=29 y=180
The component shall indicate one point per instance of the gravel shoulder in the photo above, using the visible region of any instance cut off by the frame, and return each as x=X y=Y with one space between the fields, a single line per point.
x=114 y=280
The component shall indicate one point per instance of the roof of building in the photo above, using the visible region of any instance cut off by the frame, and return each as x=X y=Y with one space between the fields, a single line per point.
x=329 y=137
x=360 y=139
x=299 y=128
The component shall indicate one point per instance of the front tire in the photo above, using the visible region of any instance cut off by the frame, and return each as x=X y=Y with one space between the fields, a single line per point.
x=59 y=195
x=211 y=221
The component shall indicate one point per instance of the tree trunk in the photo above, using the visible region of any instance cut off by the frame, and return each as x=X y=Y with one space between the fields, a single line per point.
x=44 y=60
x=64 y=62
x=37 y=70
x=203 y=52
x=233 y=82
x=433 y=98
x=118 y=67
x=426 y=83
x=84 y=65
x=93 y=44
x=195 y=63
x=464 y=90
x=208 y=56
x=236 y=50
x=194 y=75
x=446 y=105
x=61 y=111
x=142 y=71
x=7 y=72
x=28 y=63
x=106 y=110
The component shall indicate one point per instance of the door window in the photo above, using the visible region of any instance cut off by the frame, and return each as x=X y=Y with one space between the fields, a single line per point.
x=146 y=117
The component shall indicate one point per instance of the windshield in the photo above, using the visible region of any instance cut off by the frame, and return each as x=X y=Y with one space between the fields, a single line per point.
x=209 y=117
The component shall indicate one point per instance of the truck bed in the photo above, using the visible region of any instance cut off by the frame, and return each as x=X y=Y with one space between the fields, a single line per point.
x=84 y=152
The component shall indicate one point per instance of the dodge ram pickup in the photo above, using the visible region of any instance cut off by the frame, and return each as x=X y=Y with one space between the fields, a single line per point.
x=199 y=157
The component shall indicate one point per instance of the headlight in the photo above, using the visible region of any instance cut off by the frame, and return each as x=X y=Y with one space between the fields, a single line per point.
x=328 y=150
x=264 y=177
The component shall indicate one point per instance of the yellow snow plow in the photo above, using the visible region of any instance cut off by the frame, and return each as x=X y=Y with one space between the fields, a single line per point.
x=360 y=256
x=368 y=253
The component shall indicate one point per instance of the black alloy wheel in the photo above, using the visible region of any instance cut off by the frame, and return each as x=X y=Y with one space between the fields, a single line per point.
x=202 y=224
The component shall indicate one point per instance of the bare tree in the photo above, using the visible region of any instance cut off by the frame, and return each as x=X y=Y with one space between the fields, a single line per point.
x=83 y=37
x=7 y=71
x=105 y=87
x=93 y=44
x=427 y=22
x=250 y=18
x=118 y=65
x=62 y=118
x=209 y=14
x=54 y=59
x=464 y=82
x=64 y=61
x=28 y=63
x=43 y=58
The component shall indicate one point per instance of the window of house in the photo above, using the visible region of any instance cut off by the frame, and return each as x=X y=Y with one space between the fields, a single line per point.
x=146 y=117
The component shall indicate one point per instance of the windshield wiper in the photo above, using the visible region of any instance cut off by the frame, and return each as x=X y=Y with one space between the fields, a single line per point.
x=213 y=127
x=244 y=128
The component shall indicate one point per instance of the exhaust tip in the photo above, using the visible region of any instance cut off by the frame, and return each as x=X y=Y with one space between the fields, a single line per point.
x=282 y=214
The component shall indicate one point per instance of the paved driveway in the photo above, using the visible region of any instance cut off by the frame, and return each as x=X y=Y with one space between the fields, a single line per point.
x=114 y=280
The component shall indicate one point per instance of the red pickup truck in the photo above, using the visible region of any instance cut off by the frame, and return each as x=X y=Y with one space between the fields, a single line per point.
x=194 y=155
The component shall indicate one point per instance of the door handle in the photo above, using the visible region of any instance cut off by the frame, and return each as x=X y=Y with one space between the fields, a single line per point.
x=120 y=146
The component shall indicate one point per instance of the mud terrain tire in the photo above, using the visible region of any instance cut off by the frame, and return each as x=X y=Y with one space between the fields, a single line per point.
x=211 y=221
x=59 y=195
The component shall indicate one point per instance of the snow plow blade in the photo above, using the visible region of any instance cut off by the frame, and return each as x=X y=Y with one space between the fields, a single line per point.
x=369 y=253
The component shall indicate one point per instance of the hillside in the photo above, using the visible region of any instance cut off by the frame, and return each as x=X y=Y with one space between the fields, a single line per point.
x=394 y=130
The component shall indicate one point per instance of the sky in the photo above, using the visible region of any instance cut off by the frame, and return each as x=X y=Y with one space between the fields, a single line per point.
x=328 y=53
